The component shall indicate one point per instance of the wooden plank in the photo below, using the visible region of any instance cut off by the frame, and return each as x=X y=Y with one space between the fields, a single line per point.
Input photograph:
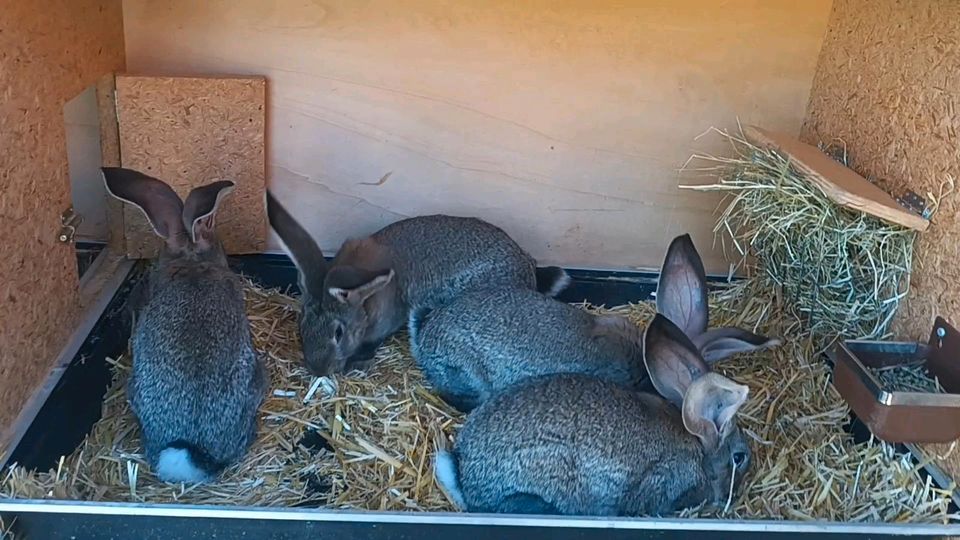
x=110 y=154
x=47 y=57
x=841 y=184
x=188 y=131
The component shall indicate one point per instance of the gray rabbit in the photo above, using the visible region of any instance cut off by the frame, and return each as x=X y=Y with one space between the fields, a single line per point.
x=574 y=444
x=352 y=304
x=487 y=340
x=197 y=381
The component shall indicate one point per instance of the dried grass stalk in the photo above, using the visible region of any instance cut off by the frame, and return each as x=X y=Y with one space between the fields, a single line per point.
x=366 y=441
x=844 y=271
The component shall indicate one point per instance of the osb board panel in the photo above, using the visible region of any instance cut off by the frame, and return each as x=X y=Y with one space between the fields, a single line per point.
x=887 y=85
x=562 y=122
x=47 y=56
x=191 y=131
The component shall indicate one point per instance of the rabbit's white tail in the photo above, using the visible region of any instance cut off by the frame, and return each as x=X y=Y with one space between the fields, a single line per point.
x=178 y=464
x=445 y=470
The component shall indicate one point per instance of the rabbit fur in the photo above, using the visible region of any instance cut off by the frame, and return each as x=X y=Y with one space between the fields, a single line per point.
x=352 y=304
x=486 y=340
x=574 y=444
x=197 y=381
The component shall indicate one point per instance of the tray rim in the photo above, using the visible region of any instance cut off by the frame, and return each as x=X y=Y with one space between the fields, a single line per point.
x=117 y=509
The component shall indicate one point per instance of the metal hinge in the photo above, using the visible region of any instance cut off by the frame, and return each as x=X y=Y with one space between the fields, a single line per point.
x=915 y=203
x=69 y=221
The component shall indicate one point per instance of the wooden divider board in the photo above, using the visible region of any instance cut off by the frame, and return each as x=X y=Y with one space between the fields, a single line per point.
x=841 y=184
x=190 y=131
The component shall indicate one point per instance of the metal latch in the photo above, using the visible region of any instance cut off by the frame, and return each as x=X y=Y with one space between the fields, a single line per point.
x=69 y=221
x=914 y=203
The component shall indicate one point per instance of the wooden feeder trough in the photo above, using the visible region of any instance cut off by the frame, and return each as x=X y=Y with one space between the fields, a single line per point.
x=892 y=414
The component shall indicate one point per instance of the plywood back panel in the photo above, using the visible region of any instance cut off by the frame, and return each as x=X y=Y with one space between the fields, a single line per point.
x=888 y=87
x=191 y=131
x=48 y=55
x=563 y=122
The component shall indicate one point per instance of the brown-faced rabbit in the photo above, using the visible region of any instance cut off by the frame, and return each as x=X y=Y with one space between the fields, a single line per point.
x=349 y=306
x=489 y=339
x=196 y=381
x=682 y=298
x=579 y=445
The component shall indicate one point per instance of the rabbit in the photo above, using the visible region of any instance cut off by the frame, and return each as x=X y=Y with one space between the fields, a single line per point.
x=352 y=304
x=197 y=381
x=486 y=340
x=682 y=298
x=573 y=444
x=489 y=339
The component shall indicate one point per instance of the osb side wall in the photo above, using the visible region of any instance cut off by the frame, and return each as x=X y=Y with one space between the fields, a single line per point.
x=48 y=54
x=191 y=131
x=888 y=85
x=562 y=122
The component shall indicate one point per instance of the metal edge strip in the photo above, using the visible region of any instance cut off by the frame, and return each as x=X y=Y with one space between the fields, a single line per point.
x=425 y=518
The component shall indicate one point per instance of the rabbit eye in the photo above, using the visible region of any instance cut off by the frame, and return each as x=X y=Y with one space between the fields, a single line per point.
x=338 y=333
x=739 y=458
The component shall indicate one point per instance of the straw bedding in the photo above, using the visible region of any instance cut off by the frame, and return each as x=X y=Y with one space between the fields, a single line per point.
x=365 y=441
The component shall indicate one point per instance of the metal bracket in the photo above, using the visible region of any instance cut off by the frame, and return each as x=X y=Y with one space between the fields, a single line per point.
x=69 y=222
x=943 y=362
x=915 y=203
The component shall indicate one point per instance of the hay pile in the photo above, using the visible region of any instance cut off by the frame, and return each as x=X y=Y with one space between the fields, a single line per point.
x=366 y=441
x=843 y=271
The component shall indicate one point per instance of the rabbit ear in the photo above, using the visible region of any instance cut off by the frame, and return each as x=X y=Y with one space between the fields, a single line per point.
x=200 y=210
x=671 y=359
x=710 y=406
x=300 y=246
x=158 y=202
x=719 y=343
x=682 y=287
x=353 y=286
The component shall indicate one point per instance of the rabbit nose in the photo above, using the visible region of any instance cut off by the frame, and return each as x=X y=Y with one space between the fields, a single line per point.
x=319 y=368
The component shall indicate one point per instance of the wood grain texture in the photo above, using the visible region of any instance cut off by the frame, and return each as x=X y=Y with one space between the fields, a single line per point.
x=48 y=55
x=887 y=86
x=189 y=131
x=563 y=122
x=841 y=184
x=110 y=153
